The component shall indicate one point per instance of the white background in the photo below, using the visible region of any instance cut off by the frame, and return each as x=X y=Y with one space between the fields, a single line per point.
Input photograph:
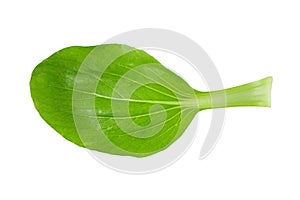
x=258 y=156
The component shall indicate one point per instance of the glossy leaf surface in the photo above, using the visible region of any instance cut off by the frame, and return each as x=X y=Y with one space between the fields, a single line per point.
x=120 y=100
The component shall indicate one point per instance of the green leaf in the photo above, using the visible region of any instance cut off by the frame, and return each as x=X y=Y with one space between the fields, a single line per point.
x=120 y=100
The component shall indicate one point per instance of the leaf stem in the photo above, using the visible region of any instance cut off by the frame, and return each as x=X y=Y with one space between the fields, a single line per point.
x=257 y=93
